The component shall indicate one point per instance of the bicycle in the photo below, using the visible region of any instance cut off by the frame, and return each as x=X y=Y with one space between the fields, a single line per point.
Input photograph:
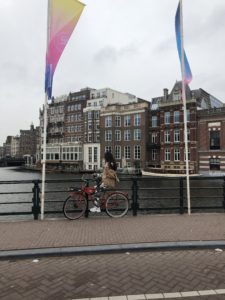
x=115 y=203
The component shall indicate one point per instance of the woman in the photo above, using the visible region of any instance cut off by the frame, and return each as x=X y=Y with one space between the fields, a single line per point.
x=109 y=179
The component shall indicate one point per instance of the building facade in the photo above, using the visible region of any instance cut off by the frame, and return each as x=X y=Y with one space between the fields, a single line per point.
x=211 y=141
x=124 y=132
x=167 y=142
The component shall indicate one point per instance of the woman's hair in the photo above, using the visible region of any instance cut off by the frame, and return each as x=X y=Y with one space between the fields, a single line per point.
x=110 y=160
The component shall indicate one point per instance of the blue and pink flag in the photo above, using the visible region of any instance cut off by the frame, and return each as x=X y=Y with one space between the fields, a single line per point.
x=187 y=70
x=63 y=16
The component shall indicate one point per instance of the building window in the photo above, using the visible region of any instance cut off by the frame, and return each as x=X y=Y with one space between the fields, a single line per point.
x=214 y=140
x=137 y=120
x=137 y=134
x=214 y=164
x=89 y=137
x=167 y=154
x=89 y=154
x=108 y=121
x=188 y=134
x=176 y=96
x=137 y=152
x=127 y=135
x=188 y=115
x=176 y=116
x=189 y=154
x=176 y=154
x=95 y=154
x=108 y=149
x=108 y=135
x=72 y=153
x=127 y=120
x=117 y=121
x=89 y=115
x=154 y=121
x=118 y=135
x=153 y=154
x=117 y=152
x=167 y=136
x=89 y=125
x=127 y=152
x=154 y=137
x=176 y=135
x=167 y=117
x=96 y=114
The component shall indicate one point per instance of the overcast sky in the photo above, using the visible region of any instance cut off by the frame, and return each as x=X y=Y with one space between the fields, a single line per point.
x=127 y=45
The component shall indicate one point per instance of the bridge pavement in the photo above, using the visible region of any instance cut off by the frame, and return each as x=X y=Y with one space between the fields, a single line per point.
x=188 y=274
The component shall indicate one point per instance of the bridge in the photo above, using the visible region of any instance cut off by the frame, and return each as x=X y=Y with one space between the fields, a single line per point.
x=11 y=161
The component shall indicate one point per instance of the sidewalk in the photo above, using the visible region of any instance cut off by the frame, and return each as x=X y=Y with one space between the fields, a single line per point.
x=102 y=234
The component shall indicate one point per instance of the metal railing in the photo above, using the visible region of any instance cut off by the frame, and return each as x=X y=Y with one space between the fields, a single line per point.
x=146 y=195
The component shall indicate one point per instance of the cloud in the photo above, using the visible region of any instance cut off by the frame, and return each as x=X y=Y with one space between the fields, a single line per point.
x=112 y=54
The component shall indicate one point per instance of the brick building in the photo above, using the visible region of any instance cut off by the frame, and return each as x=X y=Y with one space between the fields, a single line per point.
x=211 y=141
x=167 y=147
x=124 y=132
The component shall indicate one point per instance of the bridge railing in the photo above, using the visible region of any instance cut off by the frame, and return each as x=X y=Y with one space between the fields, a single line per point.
x=146 y=194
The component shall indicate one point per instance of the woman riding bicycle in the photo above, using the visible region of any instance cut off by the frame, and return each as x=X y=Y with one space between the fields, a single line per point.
x=109 y=179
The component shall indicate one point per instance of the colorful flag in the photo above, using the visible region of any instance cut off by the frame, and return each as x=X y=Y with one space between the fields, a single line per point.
x=187 y=70
x=63 y=16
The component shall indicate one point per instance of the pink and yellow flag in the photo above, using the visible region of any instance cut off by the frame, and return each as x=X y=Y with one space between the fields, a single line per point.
x=63 y=16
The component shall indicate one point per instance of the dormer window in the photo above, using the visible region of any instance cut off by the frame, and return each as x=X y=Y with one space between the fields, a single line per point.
x=176 y=95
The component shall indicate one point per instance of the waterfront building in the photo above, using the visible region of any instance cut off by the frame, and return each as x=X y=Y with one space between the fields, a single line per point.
x=7 y=146
x=64 y=149
x=211 y=141
x=93 y=146
x=167 y=147
x=28 y=143
x=124 y=132
x=1 y=152
x=15 y=146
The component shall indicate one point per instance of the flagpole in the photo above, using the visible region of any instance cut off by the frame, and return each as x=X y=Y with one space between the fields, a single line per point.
x=45 y=127
x=185 y=108
x=44 y=158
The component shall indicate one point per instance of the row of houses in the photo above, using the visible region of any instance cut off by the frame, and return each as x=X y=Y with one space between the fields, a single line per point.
x=83 y=125
x=23 y=145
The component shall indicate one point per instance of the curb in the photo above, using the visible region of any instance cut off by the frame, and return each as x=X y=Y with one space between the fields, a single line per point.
x=100 y=249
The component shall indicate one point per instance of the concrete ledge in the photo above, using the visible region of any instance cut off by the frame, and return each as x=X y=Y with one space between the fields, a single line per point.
x=40 y=252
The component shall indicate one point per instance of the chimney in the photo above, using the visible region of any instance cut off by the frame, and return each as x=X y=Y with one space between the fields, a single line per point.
x=165 y=94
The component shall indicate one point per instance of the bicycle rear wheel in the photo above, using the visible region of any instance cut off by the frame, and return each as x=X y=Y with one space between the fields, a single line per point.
x=74 y=206
x=117 y=205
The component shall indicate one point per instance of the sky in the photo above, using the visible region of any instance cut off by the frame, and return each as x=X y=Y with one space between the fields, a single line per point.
x=126 y=45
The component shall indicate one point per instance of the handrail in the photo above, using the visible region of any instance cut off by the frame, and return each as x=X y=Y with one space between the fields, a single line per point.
x=145 y=194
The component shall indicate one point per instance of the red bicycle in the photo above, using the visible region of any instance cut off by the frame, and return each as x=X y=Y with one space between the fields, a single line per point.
x=115 y=203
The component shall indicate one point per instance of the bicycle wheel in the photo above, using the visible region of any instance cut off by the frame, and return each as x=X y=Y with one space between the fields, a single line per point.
x=74 y=206
x=116 y=205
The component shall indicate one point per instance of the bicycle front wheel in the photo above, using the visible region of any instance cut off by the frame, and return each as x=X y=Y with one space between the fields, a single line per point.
x=74 y=206
x=117 y=205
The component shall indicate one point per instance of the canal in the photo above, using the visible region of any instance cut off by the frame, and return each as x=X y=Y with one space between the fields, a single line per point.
x=153 y=194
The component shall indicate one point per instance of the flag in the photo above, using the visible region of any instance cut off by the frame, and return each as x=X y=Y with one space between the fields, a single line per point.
x=187 y=70
x=63 y=16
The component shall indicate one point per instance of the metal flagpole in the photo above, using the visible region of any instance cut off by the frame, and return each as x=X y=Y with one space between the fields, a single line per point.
x=44 y=158
x=45 y=130
x=185 y=109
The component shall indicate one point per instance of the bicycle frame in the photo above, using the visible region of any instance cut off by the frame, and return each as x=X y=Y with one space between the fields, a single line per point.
x=89 y=191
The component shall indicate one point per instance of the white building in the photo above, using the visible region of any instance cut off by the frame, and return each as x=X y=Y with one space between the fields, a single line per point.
x=92 y=144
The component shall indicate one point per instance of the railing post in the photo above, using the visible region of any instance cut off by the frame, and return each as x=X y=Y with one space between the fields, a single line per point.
x=181 y=195
x=87 y=208
x=224 y=193
x=36 y=199
x=134 y=204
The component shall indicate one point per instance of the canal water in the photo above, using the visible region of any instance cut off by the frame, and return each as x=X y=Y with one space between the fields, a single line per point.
x=155 y=194
x=17 y=196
